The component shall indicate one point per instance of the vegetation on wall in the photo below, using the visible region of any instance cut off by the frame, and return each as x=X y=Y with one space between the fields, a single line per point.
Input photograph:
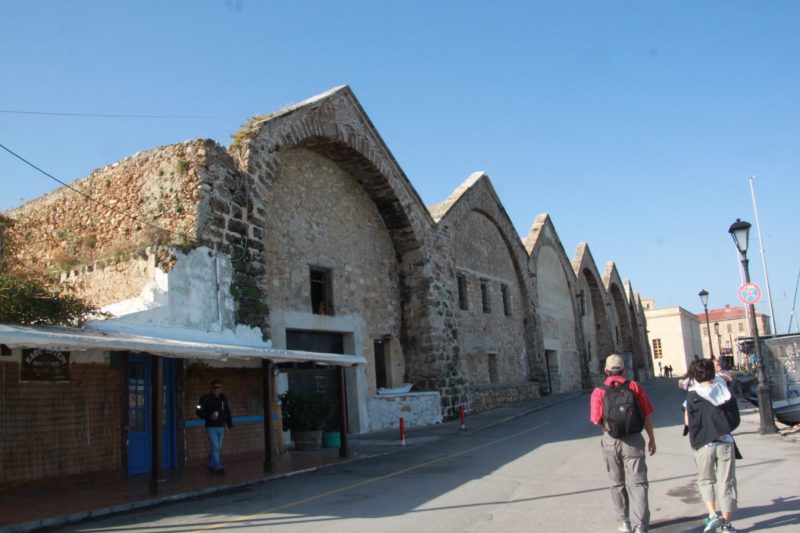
x=27 y=299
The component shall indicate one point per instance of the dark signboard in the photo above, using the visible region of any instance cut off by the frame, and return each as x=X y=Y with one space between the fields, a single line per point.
x=39 y=364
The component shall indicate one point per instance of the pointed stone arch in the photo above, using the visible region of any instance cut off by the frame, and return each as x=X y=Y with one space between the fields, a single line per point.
x=595 y=317
x=621 y=311
x=335 y=127
x=556 y=305
x=486 y=254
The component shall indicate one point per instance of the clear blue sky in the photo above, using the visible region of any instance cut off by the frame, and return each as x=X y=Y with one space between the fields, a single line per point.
x=635 y=124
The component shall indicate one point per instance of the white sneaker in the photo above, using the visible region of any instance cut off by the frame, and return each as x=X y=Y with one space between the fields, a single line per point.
x=625 y=527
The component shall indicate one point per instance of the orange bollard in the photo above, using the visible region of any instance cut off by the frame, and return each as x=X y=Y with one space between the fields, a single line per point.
x=402 y=432
x=461 y=414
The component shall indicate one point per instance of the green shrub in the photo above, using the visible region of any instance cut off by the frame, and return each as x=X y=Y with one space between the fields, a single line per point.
x=304 y=412
x=25 y=300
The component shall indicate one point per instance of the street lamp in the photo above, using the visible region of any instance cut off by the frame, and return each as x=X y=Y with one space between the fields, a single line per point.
x=704 y=298
x=740 y=231
x=719 y=342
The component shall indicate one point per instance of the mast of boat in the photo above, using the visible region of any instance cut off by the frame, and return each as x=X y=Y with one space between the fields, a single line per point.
x=794 y=302
x=763 y=255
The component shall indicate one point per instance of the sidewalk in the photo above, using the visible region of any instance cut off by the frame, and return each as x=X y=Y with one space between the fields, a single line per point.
x=54 y=503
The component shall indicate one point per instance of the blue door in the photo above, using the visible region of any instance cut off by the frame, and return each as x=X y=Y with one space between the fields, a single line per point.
x=139 y=414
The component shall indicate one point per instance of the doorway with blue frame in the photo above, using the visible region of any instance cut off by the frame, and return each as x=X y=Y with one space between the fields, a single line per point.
x=139 y=413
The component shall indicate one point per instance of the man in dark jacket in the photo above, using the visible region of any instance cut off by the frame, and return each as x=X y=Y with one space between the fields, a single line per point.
x=215 y=410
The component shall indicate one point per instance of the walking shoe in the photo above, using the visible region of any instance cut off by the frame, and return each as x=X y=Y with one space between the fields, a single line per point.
x=640 y=529
x=625 y=527
x=712 y=523
x=728 y=528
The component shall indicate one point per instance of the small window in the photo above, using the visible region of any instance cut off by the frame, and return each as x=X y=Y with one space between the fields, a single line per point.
x=582 y=302
x=321 y=291
x=487 y=306
x=506 y=299
x=381 y=366
x=657 y=352
x=729 y=328
x=705 y=331
x=463 y=298
x=741 y=327
x=491 y=359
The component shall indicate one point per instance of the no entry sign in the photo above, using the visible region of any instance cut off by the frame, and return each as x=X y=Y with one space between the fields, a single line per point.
x=749 y=293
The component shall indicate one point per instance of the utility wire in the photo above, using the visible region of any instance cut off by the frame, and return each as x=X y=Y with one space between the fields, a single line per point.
x=113 y=115
x=110 y=208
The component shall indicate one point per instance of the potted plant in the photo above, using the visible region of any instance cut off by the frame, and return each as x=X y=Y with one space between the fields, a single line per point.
x=305 y=415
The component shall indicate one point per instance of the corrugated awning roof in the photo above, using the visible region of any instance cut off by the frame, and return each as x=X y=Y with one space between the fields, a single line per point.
x=73 y=339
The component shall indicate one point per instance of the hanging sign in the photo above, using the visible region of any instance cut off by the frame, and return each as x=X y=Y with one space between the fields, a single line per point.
x=749 y=293
x=39 y=364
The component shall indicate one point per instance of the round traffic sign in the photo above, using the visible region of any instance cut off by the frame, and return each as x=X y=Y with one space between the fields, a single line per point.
x=749 y=293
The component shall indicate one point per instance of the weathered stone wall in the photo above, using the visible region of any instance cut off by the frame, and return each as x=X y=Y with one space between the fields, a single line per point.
x=416 y=409
x=64 y=230
x=485 y=397
x=481 y=257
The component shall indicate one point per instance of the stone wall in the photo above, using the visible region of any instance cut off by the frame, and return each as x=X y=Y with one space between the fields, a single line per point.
x=482 y=259
x=416 y=408
x=64 y=230
x=485 y=397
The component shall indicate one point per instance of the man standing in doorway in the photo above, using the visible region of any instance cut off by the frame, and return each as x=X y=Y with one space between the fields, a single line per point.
x=215 y=410
x=621 y=408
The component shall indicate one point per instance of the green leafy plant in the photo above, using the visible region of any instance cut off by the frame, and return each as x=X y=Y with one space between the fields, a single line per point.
x=26 y=300
x=182 y=166
x=304 y=412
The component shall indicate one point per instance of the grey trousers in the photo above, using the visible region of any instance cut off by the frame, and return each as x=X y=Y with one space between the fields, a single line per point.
x=716 y=475
x=627 y=471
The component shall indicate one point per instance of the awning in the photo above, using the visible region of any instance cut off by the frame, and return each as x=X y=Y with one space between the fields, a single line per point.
x=74 y=339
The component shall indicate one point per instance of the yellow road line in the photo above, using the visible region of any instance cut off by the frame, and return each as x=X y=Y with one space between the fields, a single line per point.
x=368 y=481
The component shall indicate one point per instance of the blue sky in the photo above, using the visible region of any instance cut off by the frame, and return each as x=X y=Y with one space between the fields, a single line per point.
x=634 y=124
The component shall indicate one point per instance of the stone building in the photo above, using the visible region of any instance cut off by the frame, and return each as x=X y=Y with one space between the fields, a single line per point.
x=727 y=325
x=305 y=237
x=674 y=337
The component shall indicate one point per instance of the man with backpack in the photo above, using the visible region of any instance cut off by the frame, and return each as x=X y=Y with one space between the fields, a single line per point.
x=622 y=409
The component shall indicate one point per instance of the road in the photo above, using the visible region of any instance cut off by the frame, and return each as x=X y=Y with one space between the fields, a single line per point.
x=540 y=473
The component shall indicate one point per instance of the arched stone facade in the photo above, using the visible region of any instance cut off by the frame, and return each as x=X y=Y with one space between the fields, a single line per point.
x=562 y=354
x=593 y=305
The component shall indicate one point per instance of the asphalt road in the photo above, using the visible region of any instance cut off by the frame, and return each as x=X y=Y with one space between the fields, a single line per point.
x=540 y=473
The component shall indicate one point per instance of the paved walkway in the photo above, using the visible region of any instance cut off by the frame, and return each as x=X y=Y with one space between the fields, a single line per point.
x=45 y=504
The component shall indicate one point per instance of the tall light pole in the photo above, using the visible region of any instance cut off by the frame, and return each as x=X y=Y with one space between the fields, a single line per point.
x=704 y=298
x=740 y=231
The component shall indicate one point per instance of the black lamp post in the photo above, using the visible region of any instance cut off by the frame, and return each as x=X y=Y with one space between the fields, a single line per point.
x=704 y=298
x=740 y=231
x=719 y=342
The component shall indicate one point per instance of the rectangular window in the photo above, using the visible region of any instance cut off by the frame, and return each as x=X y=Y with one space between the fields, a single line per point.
x=729 y=328
x=582 y=302
x=657 y=353
x=463 y=299
x=487 y=306
x=381 y=375
x=492 y=361
x=705 y=331
x=741 y=327
x=506 y=299
x=321 y=291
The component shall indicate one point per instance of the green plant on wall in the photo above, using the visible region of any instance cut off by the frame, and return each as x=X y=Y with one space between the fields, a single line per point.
x=182 y=166
x=26 y=300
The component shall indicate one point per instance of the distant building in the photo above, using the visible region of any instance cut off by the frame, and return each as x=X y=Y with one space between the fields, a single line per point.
x=727 y=325
x=673 y=334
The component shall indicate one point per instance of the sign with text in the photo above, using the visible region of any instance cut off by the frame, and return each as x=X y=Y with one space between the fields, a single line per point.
x=39 y=364
x=749 y=293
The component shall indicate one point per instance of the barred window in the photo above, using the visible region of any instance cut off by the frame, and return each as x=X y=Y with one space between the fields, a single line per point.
x=657 y=352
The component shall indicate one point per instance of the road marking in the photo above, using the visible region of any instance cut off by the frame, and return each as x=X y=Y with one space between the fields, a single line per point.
x=367 y=481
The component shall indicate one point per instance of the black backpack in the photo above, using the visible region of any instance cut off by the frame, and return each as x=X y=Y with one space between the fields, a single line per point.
x=621 y=413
